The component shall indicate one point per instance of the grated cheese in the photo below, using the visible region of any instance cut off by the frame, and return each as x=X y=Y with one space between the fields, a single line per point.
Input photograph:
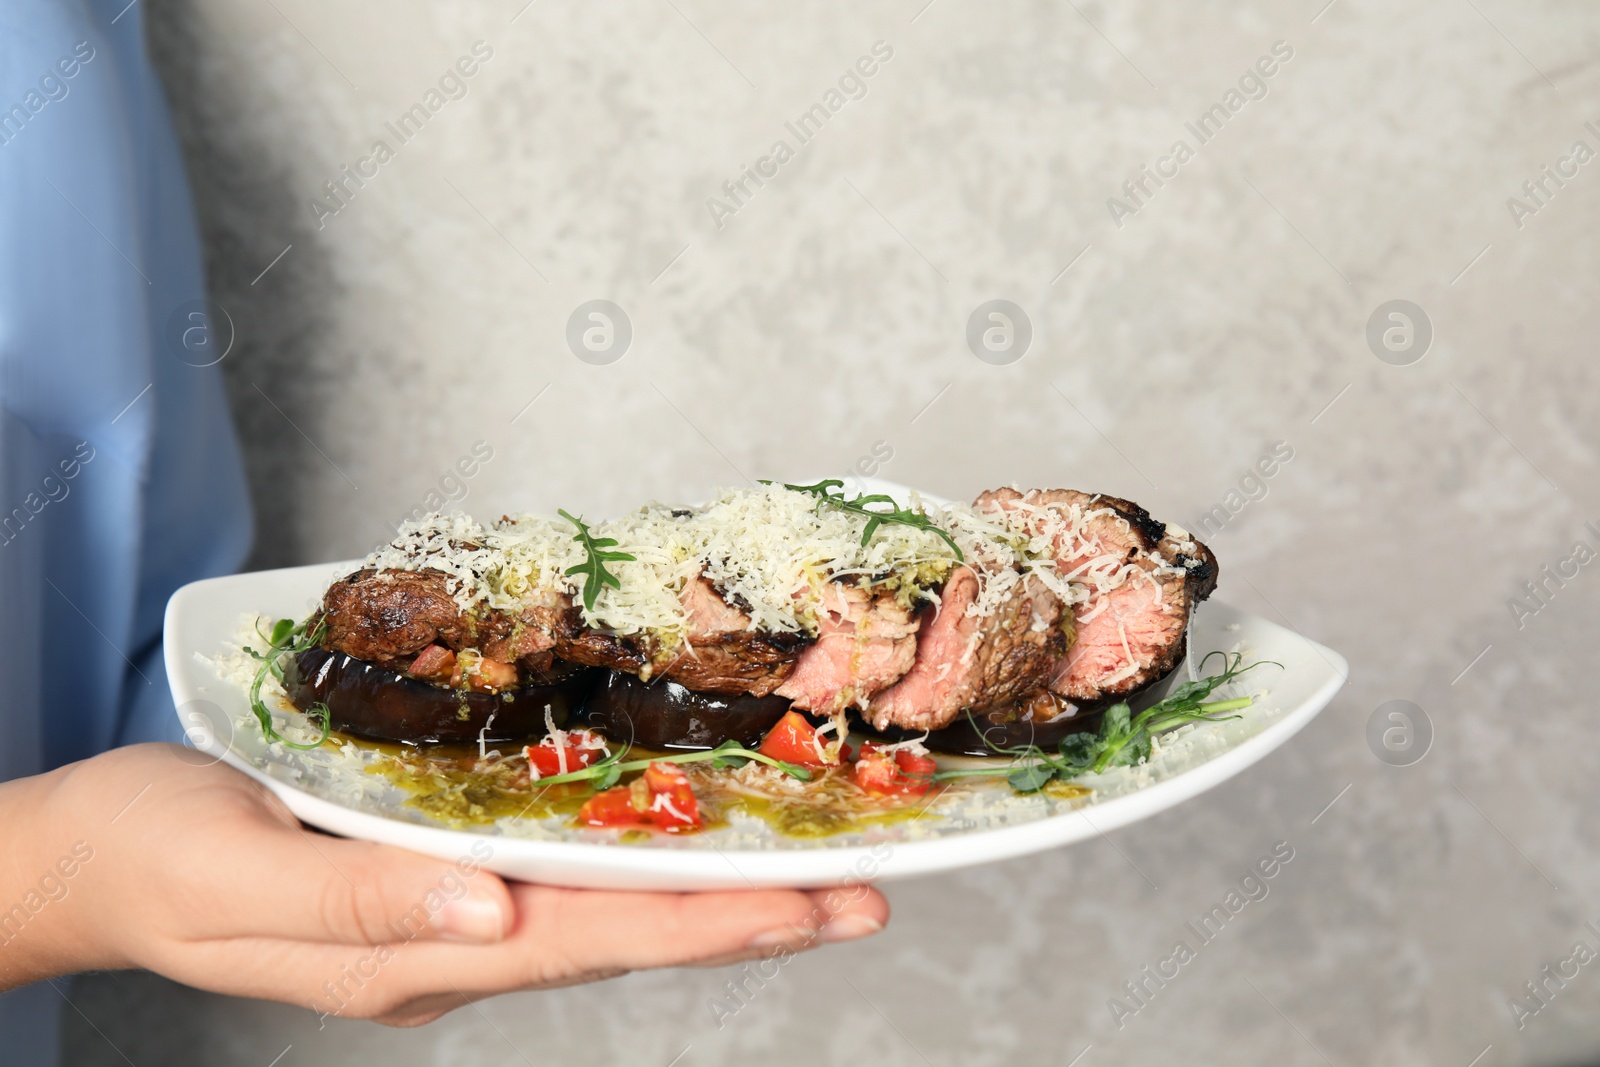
x=773 y=552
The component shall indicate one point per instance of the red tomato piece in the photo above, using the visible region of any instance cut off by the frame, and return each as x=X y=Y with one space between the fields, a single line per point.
x=578 y=746
x=434 y=664
x=662 y=799
x=612 y=808
x=898 y=773
x=794 y=740
x=482 y=674
x=916 y=772
x=491 y=674
x=876 y=773
x=673 y=805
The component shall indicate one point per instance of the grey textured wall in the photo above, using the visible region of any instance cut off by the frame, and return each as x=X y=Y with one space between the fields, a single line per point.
x=1171 y=348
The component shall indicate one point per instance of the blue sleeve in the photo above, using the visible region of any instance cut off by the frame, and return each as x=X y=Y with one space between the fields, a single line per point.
x=120 y=476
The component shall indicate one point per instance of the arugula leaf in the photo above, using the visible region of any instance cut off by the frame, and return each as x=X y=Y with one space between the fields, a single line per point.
x=871 y=505
x=597 y=554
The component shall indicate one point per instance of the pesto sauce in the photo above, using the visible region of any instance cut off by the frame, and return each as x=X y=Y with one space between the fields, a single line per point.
x=450 y=784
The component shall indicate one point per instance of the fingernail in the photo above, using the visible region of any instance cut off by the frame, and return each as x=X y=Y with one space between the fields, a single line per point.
x=788 y=936
x=849 y=928
x=470 y=919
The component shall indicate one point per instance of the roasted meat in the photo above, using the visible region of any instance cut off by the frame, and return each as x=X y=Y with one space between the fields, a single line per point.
x=724 y=653
x=1143 y=580
x=865 y=643
x=387 y=617
x=392 y=617
x=1023 y=603
x=974 y=661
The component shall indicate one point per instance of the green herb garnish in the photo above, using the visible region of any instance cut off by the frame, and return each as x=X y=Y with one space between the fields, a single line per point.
x=598 y=554
x=607 y=772
x=287 y=638
x=867 y=503
x=1123 y=738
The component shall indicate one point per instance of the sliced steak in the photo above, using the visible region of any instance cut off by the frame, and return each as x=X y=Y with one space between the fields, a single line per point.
x=387 y=617
x=968 y=661
x=577 y=643
x=1021 y=646
x=532 y=637
x=944 y=674
x=722 y=651
x=865 y=643
x=1142 y=580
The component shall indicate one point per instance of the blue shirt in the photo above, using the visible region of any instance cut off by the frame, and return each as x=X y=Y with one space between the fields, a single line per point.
x=120 y=477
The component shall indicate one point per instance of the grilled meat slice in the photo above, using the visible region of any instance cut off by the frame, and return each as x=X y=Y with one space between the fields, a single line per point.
x=968 y=661
x=1021 y=646
x=387 y=617
x=1143 y=580
x=723 y=653
x=865 y=643
x=944 y=673
x=533 y=631
x=577 y=643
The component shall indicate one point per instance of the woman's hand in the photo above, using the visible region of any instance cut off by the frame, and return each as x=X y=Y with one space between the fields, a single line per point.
x=146 y=857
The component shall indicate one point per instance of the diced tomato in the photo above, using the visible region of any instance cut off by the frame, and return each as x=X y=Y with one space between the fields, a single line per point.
x=897 y=773
x=612 y=808
x=580 y=747
x=876 y=772
x=795 y=740
x=673 y=804
x=482 y=673
x=493 y=674
x=662 y=799
x=433 y=664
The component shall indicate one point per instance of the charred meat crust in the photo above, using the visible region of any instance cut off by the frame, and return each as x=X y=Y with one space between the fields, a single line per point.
x=1202 y=568
x=753 y=662
x=576 y=643
x=969 y=662
x=723 y=653
x=387 y=617
x=1021 y=650
x=1130 y=636
x=1201 y=565
x=1149 y=530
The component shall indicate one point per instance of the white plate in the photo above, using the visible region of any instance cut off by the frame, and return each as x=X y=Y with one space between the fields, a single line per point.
x=203 y=619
